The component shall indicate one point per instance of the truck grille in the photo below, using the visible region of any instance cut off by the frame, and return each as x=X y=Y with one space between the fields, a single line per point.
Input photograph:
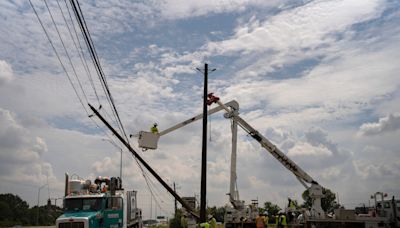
x=71 y=225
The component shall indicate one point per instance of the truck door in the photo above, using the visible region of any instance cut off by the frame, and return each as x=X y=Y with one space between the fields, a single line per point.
x=113 y=214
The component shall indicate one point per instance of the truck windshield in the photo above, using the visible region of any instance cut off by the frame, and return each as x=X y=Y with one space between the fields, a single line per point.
x=83 y=204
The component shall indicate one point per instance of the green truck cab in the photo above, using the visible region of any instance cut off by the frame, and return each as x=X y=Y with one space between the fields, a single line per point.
x=102 y=204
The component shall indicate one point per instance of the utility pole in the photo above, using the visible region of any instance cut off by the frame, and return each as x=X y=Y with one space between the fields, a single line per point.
x=176 y=207
x=144 y=163
x=203 y=185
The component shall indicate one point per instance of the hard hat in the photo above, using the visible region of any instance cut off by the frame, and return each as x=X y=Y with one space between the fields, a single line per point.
x=210 y=216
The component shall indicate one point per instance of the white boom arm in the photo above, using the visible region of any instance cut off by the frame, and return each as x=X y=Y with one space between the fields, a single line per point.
x=148 y=140
x=315 y=189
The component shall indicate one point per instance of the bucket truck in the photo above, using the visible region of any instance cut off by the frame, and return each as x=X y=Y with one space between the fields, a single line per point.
x=148 y=140
x=240 y=212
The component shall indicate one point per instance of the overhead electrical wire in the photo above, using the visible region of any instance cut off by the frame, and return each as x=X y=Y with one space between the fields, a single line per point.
x=89 y=42
x=58 y=57
x=79 y=50
x=65 y=70
x=66 y=51
x=149 y=182
x=81 y=20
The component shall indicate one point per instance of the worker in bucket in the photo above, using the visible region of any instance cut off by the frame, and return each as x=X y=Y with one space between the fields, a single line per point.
x=212 y=221
x=154 y=129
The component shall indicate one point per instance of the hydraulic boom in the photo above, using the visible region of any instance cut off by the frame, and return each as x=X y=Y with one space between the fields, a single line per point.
x=314 y=188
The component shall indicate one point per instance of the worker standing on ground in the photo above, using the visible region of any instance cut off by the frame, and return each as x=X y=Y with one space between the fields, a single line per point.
x=266 y=218
x=282 y=220
x=212 y=221
x=184 y=223
x=260 y=221
x=154 y=129
x=290 y=210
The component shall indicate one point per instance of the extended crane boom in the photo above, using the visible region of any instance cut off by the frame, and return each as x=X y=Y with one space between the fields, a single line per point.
x=314 y=188
x=148 y=140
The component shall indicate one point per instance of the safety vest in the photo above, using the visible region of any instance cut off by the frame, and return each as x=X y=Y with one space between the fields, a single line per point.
x=282 y=220
x=292 y=206
x=260 y=222
x=204 y=225
x=154 y=130
x=213 y=223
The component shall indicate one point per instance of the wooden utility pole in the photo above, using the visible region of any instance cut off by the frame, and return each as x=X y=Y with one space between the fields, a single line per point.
x=203 y=185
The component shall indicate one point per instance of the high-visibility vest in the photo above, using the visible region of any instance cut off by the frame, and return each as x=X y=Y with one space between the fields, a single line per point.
x=292 y=206
x=260 y=223
x=204 y=225
x=213 y=223
x=154 y=130
x=266 y=218
x=283 y=220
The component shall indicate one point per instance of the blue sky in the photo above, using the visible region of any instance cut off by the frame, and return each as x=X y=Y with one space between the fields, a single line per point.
x=318 y=78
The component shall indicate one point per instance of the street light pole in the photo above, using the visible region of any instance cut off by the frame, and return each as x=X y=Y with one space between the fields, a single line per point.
x=120 y=164
x=38 y=197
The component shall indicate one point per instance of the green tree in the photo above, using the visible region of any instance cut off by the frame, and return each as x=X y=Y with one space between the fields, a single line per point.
x=328 y=202
x=271 y=208
x=17 y=210
x=217 y=212
x=176 y=221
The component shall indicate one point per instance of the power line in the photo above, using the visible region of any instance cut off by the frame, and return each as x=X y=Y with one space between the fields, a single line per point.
x=65 y=70
x=82 y=22
x=79 y=50
x=58 y=57
x=66 y=51
x=152 y=187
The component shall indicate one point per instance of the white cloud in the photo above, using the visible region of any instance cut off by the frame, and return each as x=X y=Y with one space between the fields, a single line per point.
x=307 y=26
x=385 y=124
x=21 y=156
x=178 y=9
x=6 y=72
x=305 y=149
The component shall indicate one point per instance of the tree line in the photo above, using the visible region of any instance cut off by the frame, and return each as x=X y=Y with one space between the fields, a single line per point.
x=15 y=211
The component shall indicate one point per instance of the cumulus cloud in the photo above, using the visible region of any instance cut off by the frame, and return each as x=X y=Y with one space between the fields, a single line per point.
x=178 y=9
x=307 y=26
x=6 y=72
x=378 y=170
x=385 y=124
x=318 y=153
x=306 y=149
x=21 y=153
